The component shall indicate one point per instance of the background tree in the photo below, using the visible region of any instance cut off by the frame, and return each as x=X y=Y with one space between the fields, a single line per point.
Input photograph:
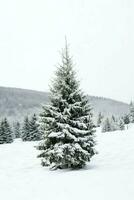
x=106 y=126
x=8 y=131
x=126 y=119
x=121 y=125
x=67 y=121
x=5 y=132
x=131 y=112
x=113 y=119
x=2 y=133
x=114 y=123
x=35 y=134
x=25 y=135
x=17 y=130
x=99 y=120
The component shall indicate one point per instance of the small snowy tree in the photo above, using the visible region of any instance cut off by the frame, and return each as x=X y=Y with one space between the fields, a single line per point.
x=99 y=120
x=2 y=133
x=113 y=119
x=111 y=124
x=106 y=126
x=5 y=132
x=35 y=134
x=131 y=112
x=25 y=135
x=126 y=119
x=8 y=130
x=114 y=124
x=17 y=130
x=121 y=125
x=67 y=122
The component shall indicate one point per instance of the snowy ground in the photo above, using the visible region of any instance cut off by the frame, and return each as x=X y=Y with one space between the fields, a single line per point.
x=110 y=175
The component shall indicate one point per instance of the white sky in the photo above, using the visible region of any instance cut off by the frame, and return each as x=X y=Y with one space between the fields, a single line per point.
x=101 y=37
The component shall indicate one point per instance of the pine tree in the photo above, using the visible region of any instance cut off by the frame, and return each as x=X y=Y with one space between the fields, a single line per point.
x=106 y=126
x=111 y=124
x=26 y=130
x=17 y=131
x=67 y=122
x=113 y=118
x=8 y=130
x=99 y=120
x=114 y=124
x=126 y=119
x=5 y=132
x=35 y=134
x=121 y=125
x=2 y=133
x=131 y=112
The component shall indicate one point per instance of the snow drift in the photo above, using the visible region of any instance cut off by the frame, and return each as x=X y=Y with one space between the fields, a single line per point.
x=110 y=174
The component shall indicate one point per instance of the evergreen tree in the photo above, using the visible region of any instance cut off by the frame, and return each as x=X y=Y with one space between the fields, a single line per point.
x=131 y=112
x=110 y=125
x=114 y=124
x=121 y=125
x=5 y=132
x=35 y=134
x=26 y=130
x=8 y=130
x=99 y=120
x=68 y=139
x=17 y=131
x=126 y=119
x=2 y=133
x=113 y=118
x=106 y=126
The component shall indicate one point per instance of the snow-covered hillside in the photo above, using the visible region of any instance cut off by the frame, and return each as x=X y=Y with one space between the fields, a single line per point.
x=109 y=176
x=16 y=103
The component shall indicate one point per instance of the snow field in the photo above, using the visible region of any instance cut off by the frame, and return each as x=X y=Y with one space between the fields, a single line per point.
x=109 y=175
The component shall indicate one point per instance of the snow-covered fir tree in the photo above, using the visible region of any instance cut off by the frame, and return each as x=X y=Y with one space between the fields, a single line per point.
x=126 y=119
x=121 y=125
x=5 y=132
x=99 y=120
x=25 y=135
x=68 y=139
x=35 y=134
x=17 y=130
x=112 y=124
x=8 y=130
x=131 y=112
x=106 y=126
x=113 y=119
x=2 y=133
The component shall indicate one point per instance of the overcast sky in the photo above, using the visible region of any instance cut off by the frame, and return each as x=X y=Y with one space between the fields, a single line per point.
x=101 y=37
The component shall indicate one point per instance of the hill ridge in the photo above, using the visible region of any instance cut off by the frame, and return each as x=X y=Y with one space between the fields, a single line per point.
x=15 y=103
